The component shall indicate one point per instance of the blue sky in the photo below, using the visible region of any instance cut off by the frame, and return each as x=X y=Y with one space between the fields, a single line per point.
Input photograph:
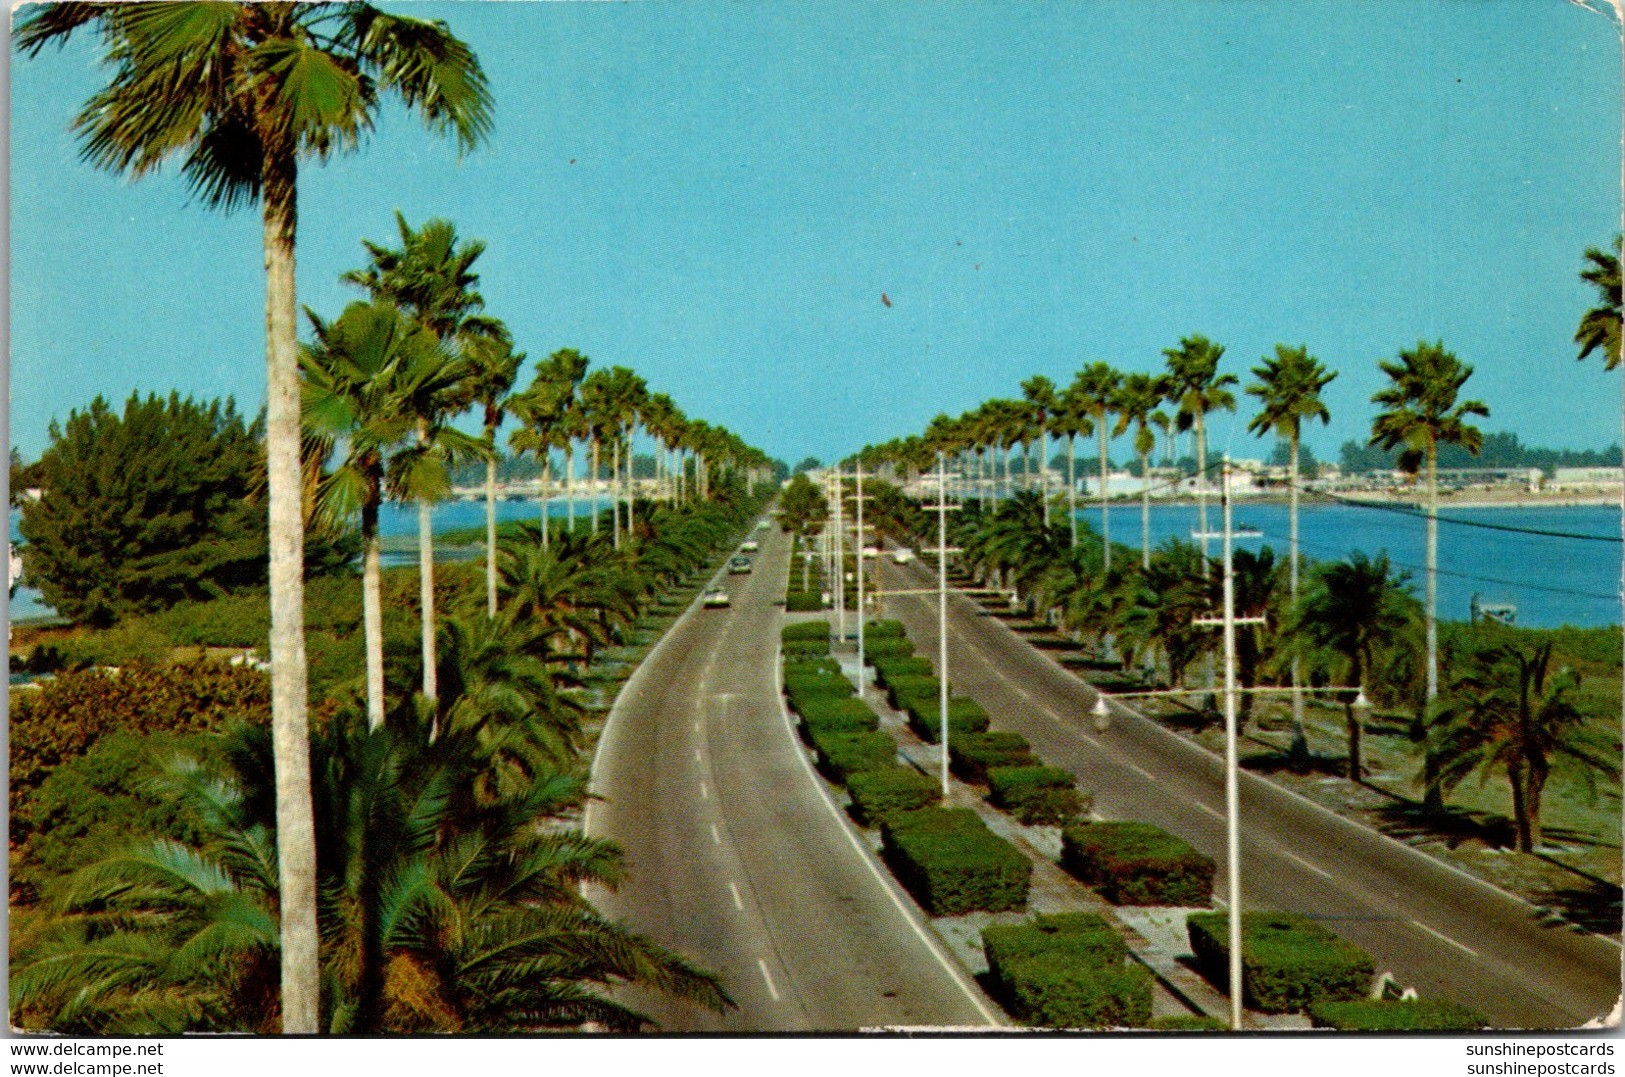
x=717 y=195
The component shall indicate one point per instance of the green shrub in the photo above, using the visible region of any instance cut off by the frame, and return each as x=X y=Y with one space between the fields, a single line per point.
x=971 y=754
x=811 y=667
x=842 y=754
x=888 y=668
x=1396 y=1015
x=805 y=630
x=1187 y=1022
x=1288 y=962
x=1085 y=937
x=64 y=717
x=875 y=649
x=901 y=688
x=1037 y=795
x=951 y=862
x=877 y=630
x=1137 y=864
x=803 y=687
x=965 y=715
x=884 y=790
x=800 y=650
x=838 y=715
x=1054 y=990
x=803 y=602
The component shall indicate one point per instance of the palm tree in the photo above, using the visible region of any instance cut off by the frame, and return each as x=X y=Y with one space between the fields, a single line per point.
x=1421 y=413
x=493 y=366
x=1039 y=392
x=243 y=92
x=1510 y=712
x=1136 y=403
x=1096 y=386
x=1354 y=606
x=431 y=277
x=544 y=411
x=360 y=377
x=1600 y=326
x=1288 y=388
x=1198 y=388
x=1072 y=420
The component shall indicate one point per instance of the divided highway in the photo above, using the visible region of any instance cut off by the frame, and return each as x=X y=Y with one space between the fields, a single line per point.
x=1436 y=929
x=736 y=858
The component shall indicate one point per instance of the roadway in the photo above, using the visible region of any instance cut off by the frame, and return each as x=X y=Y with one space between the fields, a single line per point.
x=1445 y=933
x=735 y=855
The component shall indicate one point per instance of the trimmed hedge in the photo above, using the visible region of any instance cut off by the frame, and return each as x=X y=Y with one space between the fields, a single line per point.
x=877 y=630
x=1187 y=1022
x=965 y=715
x=1054 y=991
x=804 y=630
x=1037 y=795
x=1137 y=864
x=799 y=649
x=810 y=667
x=842 y=754
x=1085 y=937
x=803 y=687
x=847 y=715
x=803 y=602
x=888 y=668
x=901 y=688
x=1288 y=962
x=951 y=862
x=883 y=647
x=971 y=754
x=884 y=790
x=1397 y=1015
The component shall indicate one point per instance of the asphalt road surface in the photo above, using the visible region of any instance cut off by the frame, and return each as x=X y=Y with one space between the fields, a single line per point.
x=736 y=858
x=1438 y=930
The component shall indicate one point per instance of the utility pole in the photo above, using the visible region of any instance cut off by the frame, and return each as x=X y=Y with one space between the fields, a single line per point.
x=1232 y=782
x=863 y=677
x=840 y=563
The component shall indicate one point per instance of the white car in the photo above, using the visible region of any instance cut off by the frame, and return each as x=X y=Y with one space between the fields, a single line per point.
x=871 y=551
x=750 y=546
x=902 y=555
x=716 y=598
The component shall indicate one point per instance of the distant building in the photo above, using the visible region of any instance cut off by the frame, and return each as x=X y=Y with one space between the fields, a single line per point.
x=1587 y=478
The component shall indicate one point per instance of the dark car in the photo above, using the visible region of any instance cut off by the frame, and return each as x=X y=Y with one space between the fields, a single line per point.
x=738 y=566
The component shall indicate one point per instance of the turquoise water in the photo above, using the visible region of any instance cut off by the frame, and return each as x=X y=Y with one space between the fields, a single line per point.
x=1552 y=581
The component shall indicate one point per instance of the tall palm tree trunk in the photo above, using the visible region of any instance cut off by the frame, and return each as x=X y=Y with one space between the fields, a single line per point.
x=614 y=489
x=491 y=532
x=1433 y=574
x=570 y=484
x=1145 y=510
x=1299 y=750
x=1043 y=470
x=290 y=733
x=1201 y=490
x=1105 y=518
x=547 y=512
x=593 y=486
x=426 y=596
x=1072 y=486
x=372 y=611
x=631 y=488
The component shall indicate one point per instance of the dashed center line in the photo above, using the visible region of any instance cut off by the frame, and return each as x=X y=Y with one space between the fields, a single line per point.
x=1322 y=872
x=696 y=727
x=1136 y=768
x=716 y=836
x=1445 y=938
x=1210 y=811
x=774 y=991
x=705 y=791
x=738 y=903
x=699 y=756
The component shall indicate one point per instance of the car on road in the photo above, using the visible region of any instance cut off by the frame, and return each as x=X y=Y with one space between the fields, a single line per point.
x=902 y=555
x=871 y=551
x=750 y=546
x=738 y=566
x=764 y=525
x=716 y=598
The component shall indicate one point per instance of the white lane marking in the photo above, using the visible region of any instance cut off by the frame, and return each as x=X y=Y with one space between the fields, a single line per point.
x=769 y=978
x=1322 y=872
x=1136 y=768
x=716 y=838
x=1210 y=811
x=705 y=791
x=867 y=857
x=734 y=890
x=1445 y=938
x=696 y=727
x=699 y=756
